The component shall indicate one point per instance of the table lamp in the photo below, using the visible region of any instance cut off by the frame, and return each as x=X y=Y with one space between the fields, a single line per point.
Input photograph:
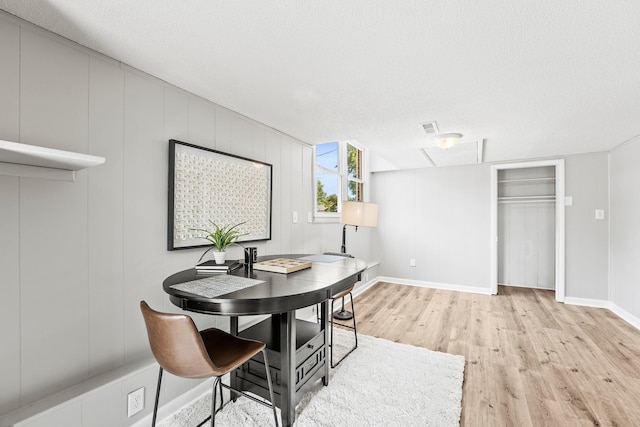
x=355 y=214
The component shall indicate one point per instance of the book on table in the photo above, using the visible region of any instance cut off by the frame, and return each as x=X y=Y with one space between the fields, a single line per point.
x=211 y=266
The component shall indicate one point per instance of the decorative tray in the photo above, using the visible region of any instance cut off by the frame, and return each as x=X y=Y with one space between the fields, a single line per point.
x=282 y=265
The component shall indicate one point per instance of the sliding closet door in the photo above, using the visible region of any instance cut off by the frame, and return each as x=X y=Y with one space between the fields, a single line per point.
x=526 y=227
x=526 y=249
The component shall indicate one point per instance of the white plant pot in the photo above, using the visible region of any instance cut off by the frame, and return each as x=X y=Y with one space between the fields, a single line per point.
x=219 y=257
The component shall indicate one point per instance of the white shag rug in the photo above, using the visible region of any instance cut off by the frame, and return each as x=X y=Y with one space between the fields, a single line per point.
x=380 y=383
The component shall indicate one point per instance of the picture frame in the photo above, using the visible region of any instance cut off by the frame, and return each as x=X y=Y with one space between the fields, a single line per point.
x=209 y=185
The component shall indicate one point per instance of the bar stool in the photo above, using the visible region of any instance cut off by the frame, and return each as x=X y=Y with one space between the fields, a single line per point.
x=341 y=295
x=182 y=350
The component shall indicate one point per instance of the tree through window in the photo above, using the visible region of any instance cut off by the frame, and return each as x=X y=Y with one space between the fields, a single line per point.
x=339 y=175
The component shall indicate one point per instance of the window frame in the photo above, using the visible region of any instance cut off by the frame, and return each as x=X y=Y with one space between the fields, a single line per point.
x=343 y=177
x=348 y=178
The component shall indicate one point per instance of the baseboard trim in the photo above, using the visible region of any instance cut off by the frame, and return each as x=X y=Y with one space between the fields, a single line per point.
x=434 y=285
x=600 y=303
x=587 y=302
x=363 y=287
x=625 y=315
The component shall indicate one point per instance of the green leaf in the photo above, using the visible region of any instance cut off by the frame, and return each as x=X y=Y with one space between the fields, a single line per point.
x=221 y=237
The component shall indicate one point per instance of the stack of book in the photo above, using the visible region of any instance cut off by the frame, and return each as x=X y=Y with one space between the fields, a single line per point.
x=210 y=267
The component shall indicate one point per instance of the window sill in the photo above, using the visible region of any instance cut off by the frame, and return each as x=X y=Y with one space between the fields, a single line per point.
x=327 y=219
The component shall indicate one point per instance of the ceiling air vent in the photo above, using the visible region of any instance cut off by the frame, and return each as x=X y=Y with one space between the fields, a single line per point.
x=430 y=127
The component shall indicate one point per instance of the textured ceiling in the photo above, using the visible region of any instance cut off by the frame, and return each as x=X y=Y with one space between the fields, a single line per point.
x=532 y=78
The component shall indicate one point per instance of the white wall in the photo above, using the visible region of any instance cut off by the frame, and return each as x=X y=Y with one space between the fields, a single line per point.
x=441 y=217
x=625 y=228
x=77 y=257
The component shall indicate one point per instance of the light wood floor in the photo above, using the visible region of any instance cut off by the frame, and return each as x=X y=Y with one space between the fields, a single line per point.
x=530 y=361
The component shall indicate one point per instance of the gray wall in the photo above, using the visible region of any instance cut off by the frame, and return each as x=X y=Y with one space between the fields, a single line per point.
x=625 y=228
x=77 y=257
x=441 y=217
x=586 y=238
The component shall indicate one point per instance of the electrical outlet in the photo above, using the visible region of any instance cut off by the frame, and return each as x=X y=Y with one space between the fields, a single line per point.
x=295 y=217
x=412 y=262
x=309 y=217
x=135 y=402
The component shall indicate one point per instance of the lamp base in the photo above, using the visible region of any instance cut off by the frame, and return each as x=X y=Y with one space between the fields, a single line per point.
x=343 y=315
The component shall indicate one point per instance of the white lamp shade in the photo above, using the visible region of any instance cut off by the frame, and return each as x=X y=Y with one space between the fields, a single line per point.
x=359 y=213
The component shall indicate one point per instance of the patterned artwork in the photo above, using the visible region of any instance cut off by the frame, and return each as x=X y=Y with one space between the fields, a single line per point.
x=210 y=185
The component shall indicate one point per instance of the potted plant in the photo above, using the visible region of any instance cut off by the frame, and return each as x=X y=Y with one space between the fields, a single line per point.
x=221 y=237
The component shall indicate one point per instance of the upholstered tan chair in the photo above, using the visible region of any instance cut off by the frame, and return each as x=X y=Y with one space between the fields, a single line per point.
x=182 y=350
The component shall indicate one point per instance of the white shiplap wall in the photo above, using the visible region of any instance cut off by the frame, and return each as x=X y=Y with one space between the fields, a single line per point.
x=77 y=257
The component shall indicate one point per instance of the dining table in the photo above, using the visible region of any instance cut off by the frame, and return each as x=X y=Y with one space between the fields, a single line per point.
x=296 y=348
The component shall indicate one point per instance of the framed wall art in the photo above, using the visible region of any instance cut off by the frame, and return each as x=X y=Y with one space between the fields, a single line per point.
x=208 y=185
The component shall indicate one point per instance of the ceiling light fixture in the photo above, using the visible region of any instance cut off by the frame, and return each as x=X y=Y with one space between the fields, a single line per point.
x=447 y=140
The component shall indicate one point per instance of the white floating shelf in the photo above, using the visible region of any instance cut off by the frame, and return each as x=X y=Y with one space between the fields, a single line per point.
x=39 y=162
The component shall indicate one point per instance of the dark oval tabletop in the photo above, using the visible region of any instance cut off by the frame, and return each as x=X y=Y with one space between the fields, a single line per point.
x=278 y=294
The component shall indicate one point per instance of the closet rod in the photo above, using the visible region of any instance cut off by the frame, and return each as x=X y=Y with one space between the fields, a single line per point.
x=528 y=201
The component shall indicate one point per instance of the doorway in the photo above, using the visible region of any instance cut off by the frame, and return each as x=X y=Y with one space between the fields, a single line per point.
x=527 y=231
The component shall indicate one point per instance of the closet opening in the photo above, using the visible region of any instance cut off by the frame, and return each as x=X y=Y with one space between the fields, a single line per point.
x=527 y=233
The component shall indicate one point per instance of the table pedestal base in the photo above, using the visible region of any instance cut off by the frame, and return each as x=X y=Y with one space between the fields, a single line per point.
x=309 y=363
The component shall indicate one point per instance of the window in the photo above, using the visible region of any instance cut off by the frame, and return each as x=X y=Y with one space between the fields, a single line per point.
x=327 y=177
x=355 y=183
x=338 y=171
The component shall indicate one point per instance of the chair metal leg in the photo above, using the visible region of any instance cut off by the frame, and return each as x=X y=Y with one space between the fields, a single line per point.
x=213 y=401
x=355 y=331
x=155 y=406
x=353 y=310
x=268 y=369
x=261 y=401
x=331 y=339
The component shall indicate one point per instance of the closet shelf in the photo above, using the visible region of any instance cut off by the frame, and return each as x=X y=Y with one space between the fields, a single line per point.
x=526 y=199
x=40 y=162
x=530 y=180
